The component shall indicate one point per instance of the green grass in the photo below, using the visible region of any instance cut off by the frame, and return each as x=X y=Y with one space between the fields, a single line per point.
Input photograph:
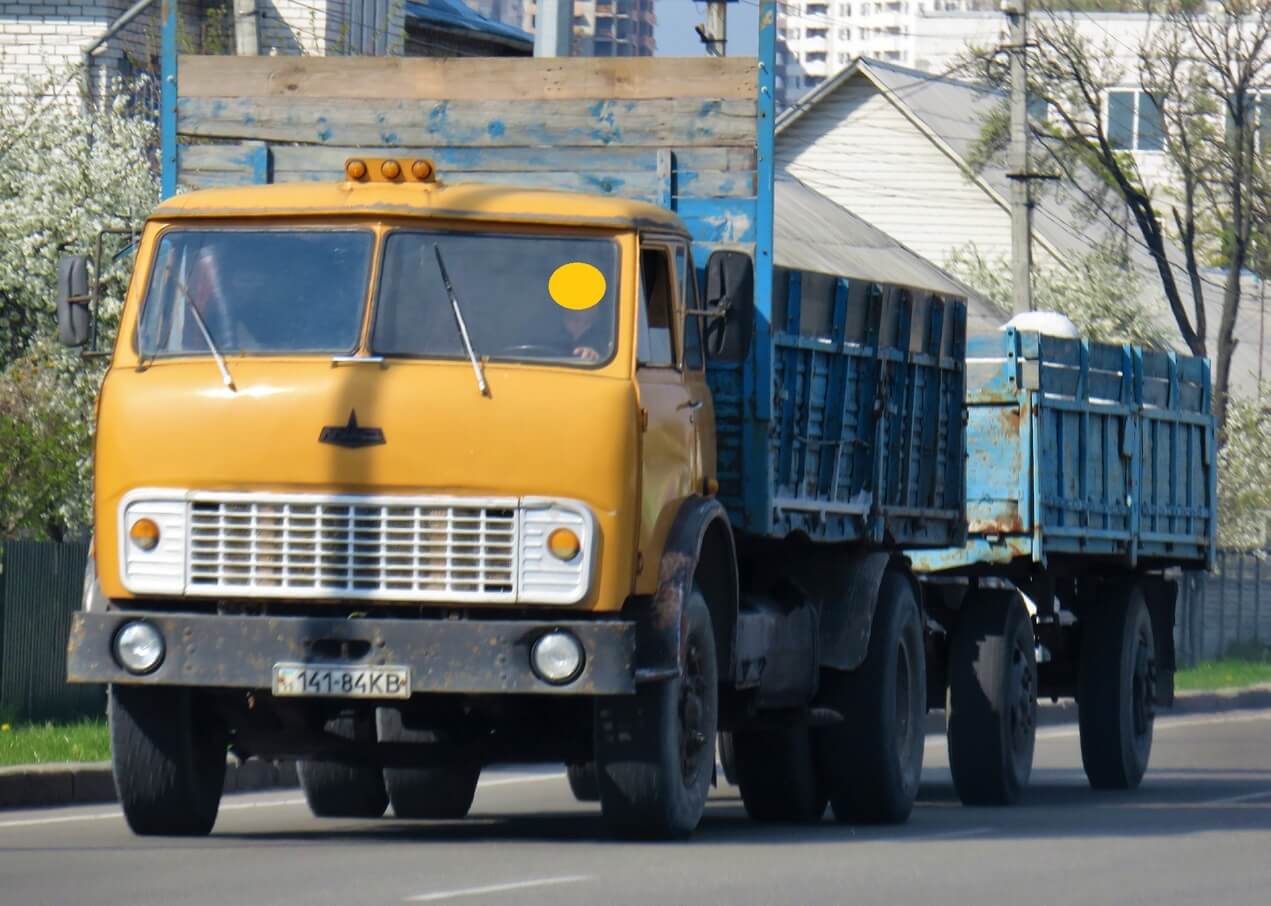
x=1228 y=673
x=85 y=740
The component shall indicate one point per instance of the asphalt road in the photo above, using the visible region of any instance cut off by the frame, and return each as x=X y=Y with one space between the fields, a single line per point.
x=1197 y=831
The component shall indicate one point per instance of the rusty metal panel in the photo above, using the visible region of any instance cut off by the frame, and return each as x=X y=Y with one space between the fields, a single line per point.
x=42 y=589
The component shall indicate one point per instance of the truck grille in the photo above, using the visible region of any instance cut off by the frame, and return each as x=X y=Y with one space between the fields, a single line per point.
x=353 y=547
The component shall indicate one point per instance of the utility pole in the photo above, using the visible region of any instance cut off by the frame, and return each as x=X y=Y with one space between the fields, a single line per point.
x=715 y=36
x=553 y=28
x=246 y=41
x=1021 y=180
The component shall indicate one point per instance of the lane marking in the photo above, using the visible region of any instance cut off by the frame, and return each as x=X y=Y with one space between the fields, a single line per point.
x=497 y=888
x=240 y=806
x=1247 y=797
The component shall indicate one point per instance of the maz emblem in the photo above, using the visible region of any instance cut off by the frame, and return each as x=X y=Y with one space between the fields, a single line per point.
x=351 y=435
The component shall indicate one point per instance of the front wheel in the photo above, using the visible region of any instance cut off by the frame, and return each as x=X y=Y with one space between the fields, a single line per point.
x=991 y=712
x=168 y=757
x=1116 y=690
x=655 y=750
x=871 y=761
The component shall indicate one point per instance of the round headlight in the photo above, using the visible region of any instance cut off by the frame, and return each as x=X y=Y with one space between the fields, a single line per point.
x=563 y=544
x=557 y=658
x=144 y=534
x=139 y=647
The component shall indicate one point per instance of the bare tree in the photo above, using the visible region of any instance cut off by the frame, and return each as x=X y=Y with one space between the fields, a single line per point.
x=1201 y=69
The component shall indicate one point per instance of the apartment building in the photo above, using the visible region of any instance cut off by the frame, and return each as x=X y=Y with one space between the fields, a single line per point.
x=602 y=28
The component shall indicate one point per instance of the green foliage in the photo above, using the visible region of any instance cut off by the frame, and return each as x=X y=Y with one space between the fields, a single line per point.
x=1229 y=673
x=1096 y=291
x=1244 y=474
x=85 y=740
x=64 y=176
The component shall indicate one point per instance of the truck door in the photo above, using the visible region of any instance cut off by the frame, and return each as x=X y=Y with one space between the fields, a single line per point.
x=701 y=406
x=669 y=452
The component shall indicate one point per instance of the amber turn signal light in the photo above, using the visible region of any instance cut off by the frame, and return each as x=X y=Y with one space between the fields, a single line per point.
x=355 y=169
x=563 y=544
x=422 y=170
x=391 y=169
x=144 y=534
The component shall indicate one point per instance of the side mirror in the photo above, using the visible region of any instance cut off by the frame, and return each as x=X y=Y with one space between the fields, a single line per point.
x=730 y=298
x=73 y=321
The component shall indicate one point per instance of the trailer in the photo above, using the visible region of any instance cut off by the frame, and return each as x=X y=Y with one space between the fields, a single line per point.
x=1091 y=480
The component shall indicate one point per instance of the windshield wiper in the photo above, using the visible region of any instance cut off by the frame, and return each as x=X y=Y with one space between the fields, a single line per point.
x=207 y=338
x=463 y=328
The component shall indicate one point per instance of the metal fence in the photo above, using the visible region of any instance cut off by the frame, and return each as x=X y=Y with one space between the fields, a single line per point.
x=40 y=588
x=1227 y=611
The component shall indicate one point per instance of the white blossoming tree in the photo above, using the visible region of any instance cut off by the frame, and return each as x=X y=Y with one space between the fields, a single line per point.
x=64 y=175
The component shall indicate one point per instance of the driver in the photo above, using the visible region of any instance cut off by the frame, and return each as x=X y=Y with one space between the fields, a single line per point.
x=586 y=333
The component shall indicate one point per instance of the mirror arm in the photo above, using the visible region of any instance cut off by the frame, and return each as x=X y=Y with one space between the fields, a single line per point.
x=720 y=311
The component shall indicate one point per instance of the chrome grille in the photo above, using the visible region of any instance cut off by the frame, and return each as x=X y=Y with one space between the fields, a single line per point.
x=353 y=547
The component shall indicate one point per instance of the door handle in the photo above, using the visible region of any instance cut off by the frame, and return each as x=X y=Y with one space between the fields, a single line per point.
x=692 y=405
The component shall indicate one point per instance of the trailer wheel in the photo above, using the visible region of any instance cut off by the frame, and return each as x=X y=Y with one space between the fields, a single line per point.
x=168 y=757
x=776 y=773
x=433 y=792
x=1116 y=691
x=334 y=790
x=992 y=703
x=870 y=762
x=655 y=750
x=582 y=781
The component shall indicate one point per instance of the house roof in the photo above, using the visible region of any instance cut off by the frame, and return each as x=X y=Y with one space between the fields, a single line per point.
x=950 y=112
x=456 y=15
x=812 y=233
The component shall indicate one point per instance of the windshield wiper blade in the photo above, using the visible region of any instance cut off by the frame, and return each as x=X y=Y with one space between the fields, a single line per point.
x=463 y=328
x=207 y=338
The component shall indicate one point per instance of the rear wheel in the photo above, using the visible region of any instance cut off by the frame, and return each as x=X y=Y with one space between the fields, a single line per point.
x=871 y=761
x=435 y=792
x=168 y=757
x=777 y=776
x=991 y=712
x=728 y=757
x=335 y=790
x=655 y=750
x=1116 y=690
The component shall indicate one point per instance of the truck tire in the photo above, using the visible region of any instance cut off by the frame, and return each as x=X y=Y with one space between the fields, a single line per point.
x=1116 y=688
x=991 y=712
x=655 y=750
x=870 y=762
x=334 y=790
x=582 y=781
x=777 y=775
x=433 y=792
x=168 y=758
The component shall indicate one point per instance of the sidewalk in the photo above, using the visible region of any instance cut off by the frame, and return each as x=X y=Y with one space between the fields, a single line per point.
x=90 y=782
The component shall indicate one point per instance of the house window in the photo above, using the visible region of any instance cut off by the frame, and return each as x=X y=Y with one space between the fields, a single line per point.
x=818 y=9
x=845 y=9
x=813 y=81
x=844 y=34
x=1135 y=121
x=844 y=58
x=817 y=57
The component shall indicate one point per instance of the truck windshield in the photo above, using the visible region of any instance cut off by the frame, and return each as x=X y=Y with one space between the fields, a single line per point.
x=523 y=298
x=259 y=291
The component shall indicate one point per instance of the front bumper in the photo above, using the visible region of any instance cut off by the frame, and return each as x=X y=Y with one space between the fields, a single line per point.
x=459 y=656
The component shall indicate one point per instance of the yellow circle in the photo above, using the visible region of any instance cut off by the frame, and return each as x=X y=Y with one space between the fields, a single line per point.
x=576 y=286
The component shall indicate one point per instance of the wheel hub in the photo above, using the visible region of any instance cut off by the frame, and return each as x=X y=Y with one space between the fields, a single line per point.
x=692 y=712
x=1022 y=689
x=1144 y=688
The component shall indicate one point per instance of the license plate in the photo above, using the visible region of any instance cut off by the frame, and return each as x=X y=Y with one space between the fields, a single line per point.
x=323 y=680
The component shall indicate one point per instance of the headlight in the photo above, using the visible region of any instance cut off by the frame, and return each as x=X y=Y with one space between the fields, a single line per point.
x=139 y=647
x=557 y=658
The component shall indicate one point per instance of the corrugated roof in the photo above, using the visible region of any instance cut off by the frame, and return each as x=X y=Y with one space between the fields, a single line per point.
x=813 y=233
x=456 y=14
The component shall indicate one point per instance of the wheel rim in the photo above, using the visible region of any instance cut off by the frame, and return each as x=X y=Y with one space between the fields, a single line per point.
x=1143 y=682
x=1022 y=691
x=904 y=693
x=692 y=714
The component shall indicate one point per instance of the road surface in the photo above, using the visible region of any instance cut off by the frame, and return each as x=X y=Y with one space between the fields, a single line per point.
x=1198 y=831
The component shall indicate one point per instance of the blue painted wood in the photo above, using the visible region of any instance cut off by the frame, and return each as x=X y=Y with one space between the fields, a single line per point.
x=168 y=101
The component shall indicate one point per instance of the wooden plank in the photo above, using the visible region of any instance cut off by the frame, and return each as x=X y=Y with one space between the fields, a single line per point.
x=597 y=124
x=468 y=79
x=326 y=159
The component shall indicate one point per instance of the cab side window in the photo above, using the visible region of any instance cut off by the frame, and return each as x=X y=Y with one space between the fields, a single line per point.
x=687 y=279
x=655 y=345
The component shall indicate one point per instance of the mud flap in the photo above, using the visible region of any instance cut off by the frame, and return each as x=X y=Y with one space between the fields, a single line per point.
x=848 y=595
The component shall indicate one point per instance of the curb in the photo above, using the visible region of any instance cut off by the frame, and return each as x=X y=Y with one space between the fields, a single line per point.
x=85 y=783
x=90 y=782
